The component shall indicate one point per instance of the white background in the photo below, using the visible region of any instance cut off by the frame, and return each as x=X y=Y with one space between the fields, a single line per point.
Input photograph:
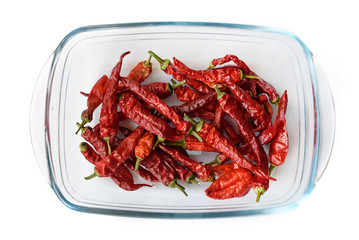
x=32 y=29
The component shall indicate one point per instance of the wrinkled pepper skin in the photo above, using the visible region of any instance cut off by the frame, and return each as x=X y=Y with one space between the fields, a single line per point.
x=124 y=179
x=95 y=139
x=232 y=184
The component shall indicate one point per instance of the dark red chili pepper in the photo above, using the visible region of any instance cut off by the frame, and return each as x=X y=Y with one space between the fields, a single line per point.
x=211 y=77
x=162 y=89
x=108 y=165
x=231 y=133
x=143 y=172
x=94 y=100
x=162 y=171
x=139 y=73
x=191 y=143
x=266 y=88
x=195 y=104
x=135 y=111
x=279 y=146
x=124 y=179
x=109 y=119
x=213 y=137
x=268 y=134
x=89 y=153
x=154 y=101
x=169 y=68
x=257 y=114
x=144 y=147
x=183 y=173
x=201 y=171
x=218 y=118
x=234 y=183
x=95 y=139
x=203 y=114
x=240 y=64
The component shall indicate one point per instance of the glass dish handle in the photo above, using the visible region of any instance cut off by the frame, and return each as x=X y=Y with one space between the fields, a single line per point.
x=37 y=119
x=327 y=121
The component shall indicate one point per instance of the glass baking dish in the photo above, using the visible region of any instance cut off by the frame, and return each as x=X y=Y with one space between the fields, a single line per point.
x=87 y=53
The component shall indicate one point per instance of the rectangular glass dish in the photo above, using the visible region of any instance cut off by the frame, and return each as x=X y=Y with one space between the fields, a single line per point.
x=87 y=53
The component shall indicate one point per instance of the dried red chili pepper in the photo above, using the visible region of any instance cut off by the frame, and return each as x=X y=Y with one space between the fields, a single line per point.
x=234 y=183
x=195 y=104
x=109 y=119
x=268 y=89
x=279 y=146
x=257 y=114
x=183 y=173
x=124 y=179
x=211 y=77
x=94 y=100
x=169 y=68
x=135 y=111
x=203 y=114
x=201 y=171
x=154 y=101
x=143 y=172
x=89 y=153
x=213 y=137
x=218 y=118
x=144 y=147
x=162 y=89
x=95 y=139
x=139 y=73
x=191 y=143
x=108 y=165
x=240 y=64
x=162 y=171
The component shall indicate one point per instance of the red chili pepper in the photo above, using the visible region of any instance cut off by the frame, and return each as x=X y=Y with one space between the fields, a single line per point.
x=169 y=68
x=144 y=147
x=134 y=110
x=266 y=88
x=154 y=101
x=218 y=118
x=109 y=119
x=124 y=179
x=95 y=139
x=203 y=114
x=201 y=171
x=162 y=89
x=183 y=173
x=222 y=169
x=268 y=134
x=234 y=183
x=231 y=133
x=240 y=64
x=139 y=73
x=257 y=114
x=143 y=172
x=213 y=137
x=108 y=165
x=280 y=144
x=195 y=104
x=191 y=143
x=162 y=171
x=94 y=100
x=89 y=153
x=211 y=77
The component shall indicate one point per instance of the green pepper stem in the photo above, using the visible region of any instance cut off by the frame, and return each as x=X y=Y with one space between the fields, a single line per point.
x=163 y=62
x=158 y=141
x=215 y=161
x=137 y=164
x=271 y=168
x=83 y=129
x=94 y=174
x=259 y=191
x=276 y=101
x=107 y=139
x=83 y=146
x=147 y=63
x=177 y=84
x=251 y=76
x=190 y=119
x=196 y=135
x=84 y=120
x=180 y=143
x=211 y=65
x=219 y=93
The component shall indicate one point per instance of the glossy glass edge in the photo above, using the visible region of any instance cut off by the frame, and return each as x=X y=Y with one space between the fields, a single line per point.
x=273 y=210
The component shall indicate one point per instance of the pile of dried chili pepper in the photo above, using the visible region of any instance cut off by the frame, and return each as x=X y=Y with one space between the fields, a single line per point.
x=225 y=110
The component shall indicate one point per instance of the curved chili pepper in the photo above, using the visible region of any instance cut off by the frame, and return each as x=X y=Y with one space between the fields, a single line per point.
x=108 y=165
x=162 y=171
x=109 y=119
x=124 y=179
x=89 y=153
x=267 y=88
x=134 y=110
x=211 y=77
x=234 y=183
x=154 y=101
x=213 y=137
x=94 y=137
x=259 y=116
x=203 y=114
x=195 y=104
x=162 y=89
x=94 y=100
x=144 y=147
x=191 y=143
x=240 y=64
x=138 y=74
x=201 y=171
x=183 y=173
x=169 y=68
x=143 y=172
